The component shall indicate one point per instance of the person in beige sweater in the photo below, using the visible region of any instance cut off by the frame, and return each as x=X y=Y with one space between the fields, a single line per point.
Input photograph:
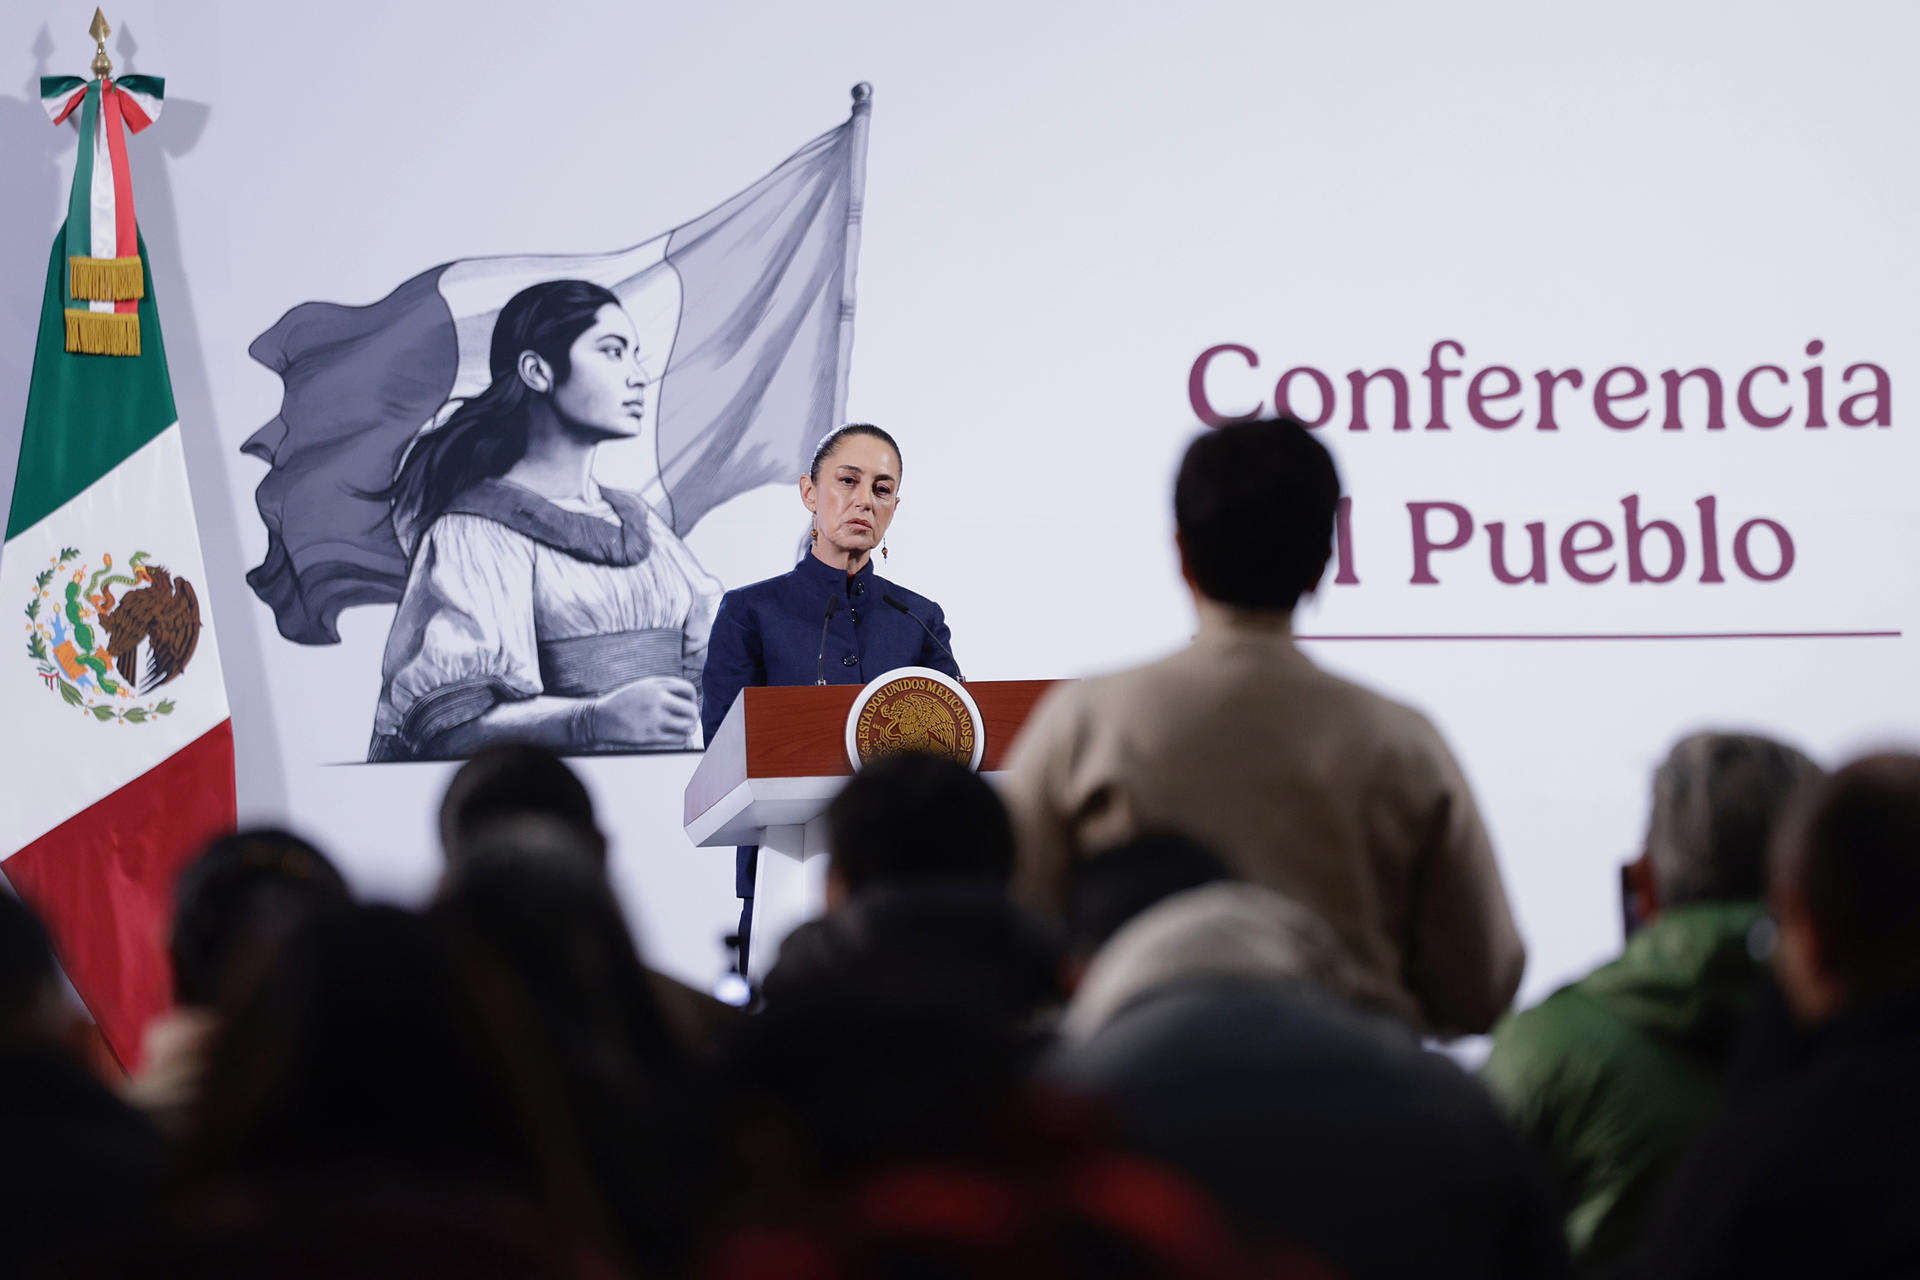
x=1340 y=799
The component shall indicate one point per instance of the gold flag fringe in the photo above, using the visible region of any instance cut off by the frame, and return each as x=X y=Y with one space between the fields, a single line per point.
x=107 y=279
x=103 y=333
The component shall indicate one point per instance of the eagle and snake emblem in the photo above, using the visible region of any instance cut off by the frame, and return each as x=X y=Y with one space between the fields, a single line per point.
x=917 y=722
x=89 y=631
x=913 y=713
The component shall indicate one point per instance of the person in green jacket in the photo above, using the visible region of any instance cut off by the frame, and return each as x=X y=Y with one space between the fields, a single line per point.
x=1607 y=1077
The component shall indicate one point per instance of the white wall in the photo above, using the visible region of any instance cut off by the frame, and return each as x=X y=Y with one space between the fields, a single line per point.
x=1065 y=205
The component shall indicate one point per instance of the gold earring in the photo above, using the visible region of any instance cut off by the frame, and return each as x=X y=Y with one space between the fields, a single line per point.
x=816 y=535
x=883 y=551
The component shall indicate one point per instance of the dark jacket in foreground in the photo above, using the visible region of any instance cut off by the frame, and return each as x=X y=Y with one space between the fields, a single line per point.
x=1814 y=1172
x=77 y=1165
x=948 y=945
x=1314 y=1123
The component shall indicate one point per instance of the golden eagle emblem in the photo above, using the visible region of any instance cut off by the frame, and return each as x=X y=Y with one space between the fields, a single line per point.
x=88 y=630
x=910 y=711
x=917 y=722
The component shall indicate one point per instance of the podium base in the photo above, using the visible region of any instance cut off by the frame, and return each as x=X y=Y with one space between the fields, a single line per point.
x=789 y=889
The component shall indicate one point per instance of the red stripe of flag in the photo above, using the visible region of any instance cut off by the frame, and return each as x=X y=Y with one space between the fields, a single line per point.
x=102 y=881
x=125 y=232
x=130 y=108
x=79 y=96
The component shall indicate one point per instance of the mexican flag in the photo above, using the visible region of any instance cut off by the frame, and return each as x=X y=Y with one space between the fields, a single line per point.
x=118 y=751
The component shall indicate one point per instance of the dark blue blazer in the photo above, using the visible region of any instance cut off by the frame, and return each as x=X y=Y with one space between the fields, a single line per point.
x=769 y=634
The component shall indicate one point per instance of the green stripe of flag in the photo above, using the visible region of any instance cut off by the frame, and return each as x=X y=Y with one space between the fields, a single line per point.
x=85 y=414
x=152 y=86
x=60 y=88
x=80 y=202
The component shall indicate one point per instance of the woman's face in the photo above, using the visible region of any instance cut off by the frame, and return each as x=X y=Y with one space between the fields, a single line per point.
x=604 y=393
x=853 y=502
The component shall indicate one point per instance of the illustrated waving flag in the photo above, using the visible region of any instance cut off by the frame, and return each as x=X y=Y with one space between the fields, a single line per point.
x=745 y=315
x=118 y=751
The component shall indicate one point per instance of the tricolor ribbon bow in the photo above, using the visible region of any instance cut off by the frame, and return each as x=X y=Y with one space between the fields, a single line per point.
x=105 y=275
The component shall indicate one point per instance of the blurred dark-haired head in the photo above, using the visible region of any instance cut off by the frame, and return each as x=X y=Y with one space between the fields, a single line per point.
x=80 y=1168
x=1844 y=886
x=530 y=894
x=884 y=1138
x=532 y=914
x=361 y=1045
x=515 y=780
x=838 y=1075
x=29 y=981
x=1254 y=504
x=371 y=1096
x=235 y=905
x=1111 y=888
x=912 y=817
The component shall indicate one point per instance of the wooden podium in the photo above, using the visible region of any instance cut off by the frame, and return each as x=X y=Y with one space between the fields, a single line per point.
x=774 y=765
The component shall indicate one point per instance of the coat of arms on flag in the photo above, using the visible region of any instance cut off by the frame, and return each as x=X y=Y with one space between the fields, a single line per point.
x=410 y=459
x=87 y=644
x=119 y=750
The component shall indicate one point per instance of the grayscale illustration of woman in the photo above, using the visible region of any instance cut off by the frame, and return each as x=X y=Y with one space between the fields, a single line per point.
x=540 y=606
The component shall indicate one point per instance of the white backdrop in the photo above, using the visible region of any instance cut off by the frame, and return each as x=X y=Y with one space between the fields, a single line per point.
x=1066 y=204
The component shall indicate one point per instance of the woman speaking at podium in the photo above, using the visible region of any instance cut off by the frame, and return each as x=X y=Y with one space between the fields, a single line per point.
x=831 y=619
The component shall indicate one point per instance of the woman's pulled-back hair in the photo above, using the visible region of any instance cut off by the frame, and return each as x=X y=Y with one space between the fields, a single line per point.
x=831 y=441
x=486 y=435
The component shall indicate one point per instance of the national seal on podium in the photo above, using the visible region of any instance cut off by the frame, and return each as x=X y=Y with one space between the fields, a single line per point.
x=915 y=709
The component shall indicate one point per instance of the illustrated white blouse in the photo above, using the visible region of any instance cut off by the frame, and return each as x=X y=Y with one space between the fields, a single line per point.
x=511 y=595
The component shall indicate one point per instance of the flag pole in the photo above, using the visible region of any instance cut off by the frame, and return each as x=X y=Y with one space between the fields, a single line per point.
x=856 y=199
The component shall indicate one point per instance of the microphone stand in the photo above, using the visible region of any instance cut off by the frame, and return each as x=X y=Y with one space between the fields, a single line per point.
x=896 y=602
x=820 y=662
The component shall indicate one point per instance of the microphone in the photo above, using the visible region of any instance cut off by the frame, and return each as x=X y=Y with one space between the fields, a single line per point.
x=820 y=663
x=896 y=602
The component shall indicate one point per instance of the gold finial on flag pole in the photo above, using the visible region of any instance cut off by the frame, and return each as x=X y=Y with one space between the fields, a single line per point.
x=102 y=64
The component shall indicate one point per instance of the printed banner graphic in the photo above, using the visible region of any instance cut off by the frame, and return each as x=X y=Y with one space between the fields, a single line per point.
x=119 y=752
x=408 y=464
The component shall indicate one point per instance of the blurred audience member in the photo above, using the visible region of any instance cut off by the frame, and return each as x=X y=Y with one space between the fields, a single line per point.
x=529 y=891
x=364 y=1045
x=1087 y=1215
x=76 y=1163
x=233 y=908
x=376 y=1225
x=917 y=896
x=530 y=911
x=906 y=1140
x=1607 y=1078
x=1220 y=931
x=1111 y=888
x=913 y=818
x=1323 y=791
x=372 y=1108
x=1212 y=1024
x=1810 y=1172
x=903 y=1026
x=515 y=780
x=511 y=781
x=827 y=1082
